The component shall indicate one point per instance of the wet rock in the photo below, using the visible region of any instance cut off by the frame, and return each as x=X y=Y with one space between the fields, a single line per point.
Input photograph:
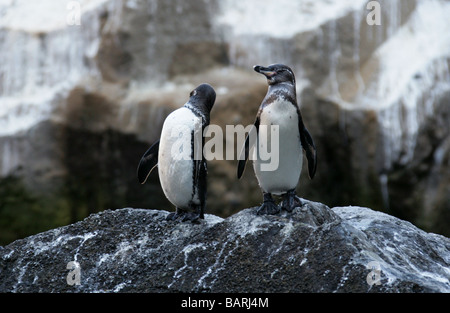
x=312 y=249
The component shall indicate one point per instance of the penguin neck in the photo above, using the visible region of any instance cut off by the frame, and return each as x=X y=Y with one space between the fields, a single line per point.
x=285 y=90
x=286 y=87
x=199 y=110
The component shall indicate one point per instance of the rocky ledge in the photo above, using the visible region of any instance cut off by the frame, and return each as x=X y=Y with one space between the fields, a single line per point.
x=312 y=249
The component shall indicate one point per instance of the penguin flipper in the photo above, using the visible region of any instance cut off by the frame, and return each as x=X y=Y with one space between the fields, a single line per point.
x=243 y=156
x=310 y=149
x=148 y=162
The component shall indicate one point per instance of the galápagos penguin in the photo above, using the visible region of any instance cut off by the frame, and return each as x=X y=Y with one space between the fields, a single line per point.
x=179 y=156
x=280 y=108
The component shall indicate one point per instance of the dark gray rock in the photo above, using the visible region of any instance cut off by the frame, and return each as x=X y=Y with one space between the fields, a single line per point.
x=312 y=249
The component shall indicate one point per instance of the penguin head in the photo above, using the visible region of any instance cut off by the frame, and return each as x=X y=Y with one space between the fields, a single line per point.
x=203 y=94
x=276 y=73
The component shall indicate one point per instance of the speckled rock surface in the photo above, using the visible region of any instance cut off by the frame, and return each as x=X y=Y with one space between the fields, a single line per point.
x=312 y=249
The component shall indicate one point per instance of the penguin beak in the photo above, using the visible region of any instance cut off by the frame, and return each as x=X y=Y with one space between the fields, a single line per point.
x=265 y=71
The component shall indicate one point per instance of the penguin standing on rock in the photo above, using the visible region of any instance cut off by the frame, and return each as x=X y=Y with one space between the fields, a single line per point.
x=179 y=156
x=280 y=108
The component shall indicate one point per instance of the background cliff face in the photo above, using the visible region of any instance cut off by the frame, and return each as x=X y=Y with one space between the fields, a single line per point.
x=80 y=104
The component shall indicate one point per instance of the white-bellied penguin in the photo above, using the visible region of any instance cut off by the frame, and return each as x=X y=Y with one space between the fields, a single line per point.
x=178 y=154
x=280 y=108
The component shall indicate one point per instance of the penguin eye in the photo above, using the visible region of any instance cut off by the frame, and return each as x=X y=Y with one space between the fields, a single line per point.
x=285 y=70
x=193 y=93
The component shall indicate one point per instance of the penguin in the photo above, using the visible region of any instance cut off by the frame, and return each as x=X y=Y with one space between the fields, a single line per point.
x=178 y=154
x=280 y=108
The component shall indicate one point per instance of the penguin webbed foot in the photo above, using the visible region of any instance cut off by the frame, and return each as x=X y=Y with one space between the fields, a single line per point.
x=172 y=216
x=268 y=207
x=291 y=201
x=185 y=216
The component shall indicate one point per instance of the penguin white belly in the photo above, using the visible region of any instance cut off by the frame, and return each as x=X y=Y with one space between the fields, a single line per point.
x=175 y=166
x=285 y=177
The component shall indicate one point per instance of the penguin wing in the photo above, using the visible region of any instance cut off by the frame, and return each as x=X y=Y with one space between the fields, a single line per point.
x=310 y=149
x=148 y=162
x=243 y=156
x=200 y=166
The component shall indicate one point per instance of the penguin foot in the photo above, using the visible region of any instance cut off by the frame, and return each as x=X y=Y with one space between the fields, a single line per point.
x=172 y=216
x=268 y=207
x=192 y=217
x=184 y=216
x=291 y=201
